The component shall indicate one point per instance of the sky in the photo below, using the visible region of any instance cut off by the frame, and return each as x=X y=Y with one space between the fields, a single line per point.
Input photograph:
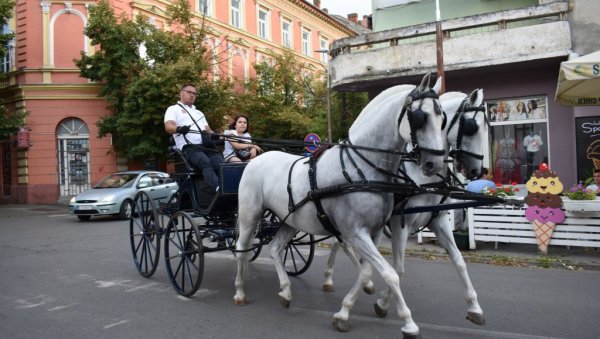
x=344 y=7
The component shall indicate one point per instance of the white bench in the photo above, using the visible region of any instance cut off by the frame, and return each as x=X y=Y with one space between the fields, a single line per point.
x=507 y=224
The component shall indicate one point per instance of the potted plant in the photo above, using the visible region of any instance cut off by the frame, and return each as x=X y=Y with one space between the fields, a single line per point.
x=580 y=199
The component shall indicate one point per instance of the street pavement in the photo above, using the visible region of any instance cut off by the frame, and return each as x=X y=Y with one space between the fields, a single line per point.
x=506 y=254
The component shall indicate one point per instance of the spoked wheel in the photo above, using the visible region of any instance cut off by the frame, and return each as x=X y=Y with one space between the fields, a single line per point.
x=299 y=253
x=144 y=234
x=184 y=254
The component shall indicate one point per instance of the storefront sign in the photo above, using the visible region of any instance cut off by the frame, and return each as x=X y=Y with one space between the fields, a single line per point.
x=587 y=139
x=23 y=138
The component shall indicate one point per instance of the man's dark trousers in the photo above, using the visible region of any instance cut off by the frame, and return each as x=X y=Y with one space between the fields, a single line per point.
x=205 y=160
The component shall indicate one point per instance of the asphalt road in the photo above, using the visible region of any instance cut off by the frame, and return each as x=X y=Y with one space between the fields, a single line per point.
x=61 y=278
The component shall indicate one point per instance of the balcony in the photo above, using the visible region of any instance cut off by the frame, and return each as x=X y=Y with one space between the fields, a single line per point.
x=389 y=57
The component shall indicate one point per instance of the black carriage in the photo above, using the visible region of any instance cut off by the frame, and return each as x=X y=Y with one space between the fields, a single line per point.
x=198 y=220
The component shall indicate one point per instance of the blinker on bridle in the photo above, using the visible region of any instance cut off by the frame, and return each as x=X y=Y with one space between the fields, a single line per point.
x=466 y=127
x=418 y=118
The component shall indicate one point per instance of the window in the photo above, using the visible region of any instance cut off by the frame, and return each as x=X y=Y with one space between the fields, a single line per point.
x=236 y=13
x=205 y=7
x=306 y=42
x=519 y=138
x=324 y=46
x=286 y=33
x=263 y=23
x=5 y=62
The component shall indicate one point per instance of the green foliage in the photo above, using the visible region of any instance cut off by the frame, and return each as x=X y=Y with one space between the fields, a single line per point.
x=138 y=87
x=6 y=10
x=9 y=122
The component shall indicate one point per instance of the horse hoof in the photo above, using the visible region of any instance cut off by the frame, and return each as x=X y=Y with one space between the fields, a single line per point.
x=328 y=288
x=284 y=302
x=341 y=325
x=381 y=313
x=370 y=290
x=239 y=302
x=476 y=318
x=411 y=335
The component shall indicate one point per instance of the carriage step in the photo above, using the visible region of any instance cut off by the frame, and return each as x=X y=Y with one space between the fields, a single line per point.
x=167 y=208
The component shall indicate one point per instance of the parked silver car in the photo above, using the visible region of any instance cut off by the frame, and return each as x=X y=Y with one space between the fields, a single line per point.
x=114 y=194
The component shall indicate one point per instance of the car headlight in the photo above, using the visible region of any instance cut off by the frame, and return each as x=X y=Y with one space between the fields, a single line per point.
x=73 y=200
x=108 y=198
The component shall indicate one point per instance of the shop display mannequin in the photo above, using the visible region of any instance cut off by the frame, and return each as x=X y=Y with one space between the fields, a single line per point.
x=506 y=158
x=532 y=143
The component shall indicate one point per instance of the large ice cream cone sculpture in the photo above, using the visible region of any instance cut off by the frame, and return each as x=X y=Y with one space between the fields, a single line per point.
x=544 y=210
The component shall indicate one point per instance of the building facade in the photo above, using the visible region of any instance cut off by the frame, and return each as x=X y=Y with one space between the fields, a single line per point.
x=57 y=154
x=511 y=49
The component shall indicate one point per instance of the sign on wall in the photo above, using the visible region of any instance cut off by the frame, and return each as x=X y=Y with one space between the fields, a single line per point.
x=517 y=110
x=23 y=138
x=587 y=140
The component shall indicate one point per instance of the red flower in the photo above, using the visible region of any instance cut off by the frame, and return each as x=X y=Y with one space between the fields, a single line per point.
x=516 y=189
x=506 y=189
x=514 y=183
x=492 y=190
x=498 y=184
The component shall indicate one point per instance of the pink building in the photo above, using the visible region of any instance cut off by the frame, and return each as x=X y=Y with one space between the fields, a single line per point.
x=63 y=156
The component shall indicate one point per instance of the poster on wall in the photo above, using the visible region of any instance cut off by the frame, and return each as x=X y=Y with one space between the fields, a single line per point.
x=517 y=111
x=587 y=140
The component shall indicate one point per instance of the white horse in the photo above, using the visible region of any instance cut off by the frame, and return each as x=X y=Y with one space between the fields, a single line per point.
x=465 y=134
x=280 y=182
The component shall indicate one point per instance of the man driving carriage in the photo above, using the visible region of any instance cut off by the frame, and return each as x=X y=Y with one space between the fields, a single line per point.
x=186 y=123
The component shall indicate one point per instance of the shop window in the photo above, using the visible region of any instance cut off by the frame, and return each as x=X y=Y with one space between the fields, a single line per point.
x=518 y=139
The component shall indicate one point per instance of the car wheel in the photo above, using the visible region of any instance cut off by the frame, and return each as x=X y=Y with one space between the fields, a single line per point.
x=125 y=211
x=84 y=217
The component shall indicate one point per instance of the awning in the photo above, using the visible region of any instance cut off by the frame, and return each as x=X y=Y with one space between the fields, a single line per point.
x=579 y=81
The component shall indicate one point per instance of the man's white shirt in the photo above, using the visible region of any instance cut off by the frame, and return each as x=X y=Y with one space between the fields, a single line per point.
x=181 y=118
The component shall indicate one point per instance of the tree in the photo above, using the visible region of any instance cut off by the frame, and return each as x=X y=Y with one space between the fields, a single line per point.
x=285 y=100
x=9 y=122
x=140 y=86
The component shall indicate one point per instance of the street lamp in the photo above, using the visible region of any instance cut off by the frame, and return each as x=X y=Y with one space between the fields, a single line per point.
x=329 y=133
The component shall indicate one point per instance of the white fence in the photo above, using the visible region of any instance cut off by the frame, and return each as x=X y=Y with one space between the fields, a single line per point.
x=502 y=224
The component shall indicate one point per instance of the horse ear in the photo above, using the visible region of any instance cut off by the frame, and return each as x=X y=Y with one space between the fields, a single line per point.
x=438 y=85
x=476 y=97
x=425 y=82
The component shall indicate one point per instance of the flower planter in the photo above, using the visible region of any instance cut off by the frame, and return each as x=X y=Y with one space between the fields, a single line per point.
x=581 y=205
x=461 y=239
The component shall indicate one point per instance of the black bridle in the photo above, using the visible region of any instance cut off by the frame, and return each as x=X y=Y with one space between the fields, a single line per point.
x=466 y=127
x=418 y=118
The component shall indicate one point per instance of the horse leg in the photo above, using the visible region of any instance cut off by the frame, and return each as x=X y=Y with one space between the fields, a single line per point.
x=399 y=240
x=372 y=258
x=328 y=284
x=278 y=245
x=246 y=230
x=368 y=287
x=443 y=232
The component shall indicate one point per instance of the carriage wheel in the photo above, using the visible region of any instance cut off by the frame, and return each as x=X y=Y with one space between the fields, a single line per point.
x=299 y=253
x=184 y=254
x=144 y=234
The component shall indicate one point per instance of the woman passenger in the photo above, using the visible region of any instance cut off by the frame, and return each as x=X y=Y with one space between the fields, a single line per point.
x=239 y=149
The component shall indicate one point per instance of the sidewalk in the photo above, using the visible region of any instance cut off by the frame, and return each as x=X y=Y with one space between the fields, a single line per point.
x=511 y=254
x=525 y=255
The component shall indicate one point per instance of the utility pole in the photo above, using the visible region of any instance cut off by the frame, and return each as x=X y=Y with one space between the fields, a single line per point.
x=439 y=38
x=329 y=123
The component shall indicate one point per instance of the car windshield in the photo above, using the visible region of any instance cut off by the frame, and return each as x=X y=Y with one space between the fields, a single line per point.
x=117 y=180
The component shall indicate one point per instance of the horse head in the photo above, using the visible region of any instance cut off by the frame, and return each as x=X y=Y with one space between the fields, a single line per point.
x=421 y=123
x=467 y=131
